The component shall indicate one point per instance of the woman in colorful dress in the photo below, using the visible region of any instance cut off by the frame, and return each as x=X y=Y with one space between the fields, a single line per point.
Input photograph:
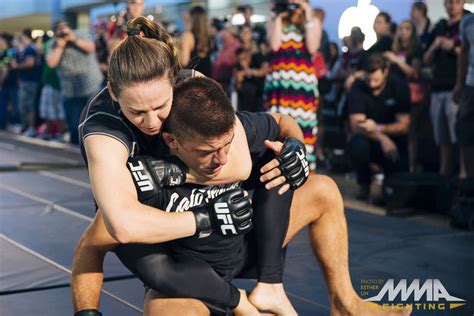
x=291 y=85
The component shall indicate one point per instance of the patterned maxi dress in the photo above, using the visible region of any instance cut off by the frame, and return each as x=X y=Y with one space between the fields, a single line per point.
x=291 y=86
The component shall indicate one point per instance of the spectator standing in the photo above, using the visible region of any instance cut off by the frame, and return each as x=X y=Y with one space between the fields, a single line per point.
x=226 y=60
x=352 y=58
x=379 y=120
x=8 y=85
x=102 y=47
x=382 y=25
x=444 y=47
x=259 y=33
x=197 y=44
x=73 y=53
x=464 y=93
x=406 y=61
x=321 y=59
x=406 y=54
x=250 y=72
x=291 y=85
x=51 y=103
x=419 y=17
x=27 y=63
x=324 y=45
x=3 y=76
x=382 y=28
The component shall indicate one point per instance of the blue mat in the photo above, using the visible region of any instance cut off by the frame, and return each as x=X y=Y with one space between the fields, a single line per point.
x=56 y=302
x=20 y=269
x=52 y=234
x=45 y=187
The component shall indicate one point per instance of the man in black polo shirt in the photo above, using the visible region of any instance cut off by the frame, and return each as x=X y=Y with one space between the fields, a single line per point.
x=379 y=119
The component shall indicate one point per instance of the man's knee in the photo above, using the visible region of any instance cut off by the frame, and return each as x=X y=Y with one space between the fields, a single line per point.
x=319 y=195
x=325 y=193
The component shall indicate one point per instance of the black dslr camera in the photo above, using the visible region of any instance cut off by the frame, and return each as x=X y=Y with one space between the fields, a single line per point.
x=284 y=6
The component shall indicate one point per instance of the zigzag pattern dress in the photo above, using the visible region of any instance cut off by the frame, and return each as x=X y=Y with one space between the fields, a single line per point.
x=291 y=86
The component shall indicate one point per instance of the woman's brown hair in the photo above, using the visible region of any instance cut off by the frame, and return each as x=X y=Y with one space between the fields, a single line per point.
x=412 y=43
x=146 y=56
x=200 y=30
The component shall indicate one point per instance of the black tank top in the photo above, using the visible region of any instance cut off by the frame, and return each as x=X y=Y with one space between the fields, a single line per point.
x=201 y=64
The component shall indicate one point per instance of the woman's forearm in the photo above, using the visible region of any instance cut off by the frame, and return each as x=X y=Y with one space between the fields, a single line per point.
x=313 y=32
x=274 y=32
x=54 y=58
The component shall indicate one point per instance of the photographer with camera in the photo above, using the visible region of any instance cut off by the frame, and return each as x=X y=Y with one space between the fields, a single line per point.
x=291 y=86
x=73 y=54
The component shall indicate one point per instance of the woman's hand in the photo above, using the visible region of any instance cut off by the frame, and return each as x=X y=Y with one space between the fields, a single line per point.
x=391 y=56
x=308 y=11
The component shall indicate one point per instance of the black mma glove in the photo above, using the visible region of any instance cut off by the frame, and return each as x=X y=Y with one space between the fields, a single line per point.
x=293 y=164
x=229 y=214
x=150 y=174
x=88 y=312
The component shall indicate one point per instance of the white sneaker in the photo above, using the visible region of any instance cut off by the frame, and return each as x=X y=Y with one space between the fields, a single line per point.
x=30 y=132
x=15 y=128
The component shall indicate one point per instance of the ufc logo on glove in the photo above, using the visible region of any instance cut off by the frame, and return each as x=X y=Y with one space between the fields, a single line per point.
x=142 y=180
x=302 y=157
x=223 y=214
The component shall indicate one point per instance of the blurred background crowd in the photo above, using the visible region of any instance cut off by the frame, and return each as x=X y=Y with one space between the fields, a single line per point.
x=393 y=97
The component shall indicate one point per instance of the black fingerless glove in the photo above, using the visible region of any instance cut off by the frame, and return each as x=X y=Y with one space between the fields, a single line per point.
x=293 y=164
x=150 y=175
x=229 y=214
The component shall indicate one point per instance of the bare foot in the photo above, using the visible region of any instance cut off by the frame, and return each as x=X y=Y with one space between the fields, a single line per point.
x=272 y=297
x=358 y=307
x=245 y=308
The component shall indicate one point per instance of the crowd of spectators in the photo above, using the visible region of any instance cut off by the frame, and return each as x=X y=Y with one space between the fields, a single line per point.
x=391 y=101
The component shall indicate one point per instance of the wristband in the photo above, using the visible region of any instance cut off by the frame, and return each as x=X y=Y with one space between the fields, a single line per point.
x=378 y=128
x=88 y=312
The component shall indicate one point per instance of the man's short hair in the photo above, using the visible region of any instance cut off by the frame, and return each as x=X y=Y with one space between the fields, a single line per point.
x=421 y=6
x=200 y=108
x=375 y=61
x=59 y=23
x=386 y=17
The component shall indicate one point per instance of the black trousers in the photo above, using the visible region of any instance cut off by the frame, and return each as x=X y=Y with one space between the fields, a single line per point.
x=364 y=151
x=185 y=276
